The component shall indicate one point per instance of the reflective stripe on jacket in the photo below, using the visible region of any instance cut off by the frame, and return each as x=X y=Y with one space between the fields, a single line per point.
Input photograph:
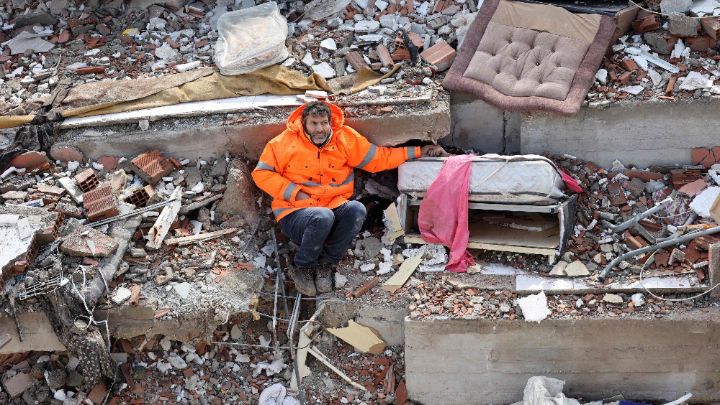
x=291 y=163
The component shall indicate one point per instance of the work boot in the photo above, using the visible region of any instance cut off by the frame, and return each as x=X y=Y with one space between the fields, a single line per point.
x=303 y=278
x=324 y=278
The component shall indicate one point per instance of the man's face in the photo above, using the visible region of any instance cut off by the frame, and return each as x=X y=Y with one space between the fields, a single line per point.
x=318 y=128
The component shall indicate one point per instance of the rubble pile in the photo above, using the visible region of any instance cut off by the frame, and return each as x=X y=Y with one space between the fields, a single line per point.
x=615 y=196
x=671 y=53
x=48 y=46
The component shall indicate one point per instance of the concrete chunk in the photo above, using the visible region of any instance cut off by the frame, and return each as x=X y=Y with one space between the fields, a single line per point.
x=88 y=242
x=18 y=384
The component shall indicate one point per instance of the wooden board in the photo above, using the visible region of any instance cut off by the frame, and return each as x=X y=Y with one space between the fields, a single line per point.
x=482 y=233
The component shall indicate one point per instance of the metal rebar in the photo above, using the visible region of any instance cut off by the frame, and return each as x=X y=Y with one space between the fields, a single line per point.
x=670 y=242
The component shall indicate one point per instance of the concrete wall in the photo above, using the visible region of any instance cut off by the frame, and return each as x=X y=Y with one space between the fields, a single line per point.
x=481 y=361
x=480 y=126
x=644 y=134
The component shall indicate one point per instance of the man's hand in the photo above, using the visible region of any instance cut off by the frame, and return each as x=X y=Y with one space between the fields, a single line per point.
x=433 y=151
x=301 y=196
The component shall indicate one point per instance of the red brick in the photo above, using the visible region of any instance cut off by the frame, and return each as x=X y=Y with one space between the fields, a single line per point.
x=702 y=156
x=649 y=23
x=384 y=55
x=87 y=180
x=64 y=37
x=711 y=26
x=100 y=203
x=441 y=55
x=643 y=175
x=30 y=160
x=416 y=39
x=635 y=242
x=694 y=188
x=109 y=162
x=97 y=394
x=700 y=44
x=141 y=196
x=629 y=64
x=624 y=78
x=356 y=61
x=151 y=166
x=90 y=70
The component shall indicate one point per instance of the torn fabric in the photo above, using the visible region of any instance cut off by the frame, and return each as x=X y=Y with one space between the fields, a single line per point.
x=443 y=216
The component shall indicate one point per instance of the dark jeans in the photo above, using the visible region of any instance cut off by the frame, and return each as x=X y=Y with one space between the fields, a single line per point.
x=323 y=234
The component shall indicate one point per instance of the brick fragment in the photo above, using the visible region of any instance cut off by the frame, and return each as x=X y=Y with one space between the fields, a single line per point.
x=643 y=175
x=140 y=196
x=152 y=166
x=356 y=61
x=636 y=242
x=648 y=23
x=694 y=188
x=97 y=394
x=31 y=160
x=681 y=177
x=624 y=78
x=416 y=39
x=441 y=55
x=87 y=180
x=703 y=156
x=711 y=26
x=384 y=56
x=90 y=70
x=629 y=64
x=100 y=203
x=699 y=44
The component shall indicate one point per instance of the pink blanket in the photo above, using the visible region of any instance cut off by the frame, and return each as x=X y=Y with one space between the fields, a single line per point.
x=443 y=216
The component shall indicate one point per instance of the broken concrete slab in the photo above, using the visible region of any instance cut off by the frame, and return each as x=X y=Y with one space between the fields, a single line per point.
x=576 y=269
x=505 y=353
x=88 y=242
x=16 y=385
x=26 y=41
x=208 y=133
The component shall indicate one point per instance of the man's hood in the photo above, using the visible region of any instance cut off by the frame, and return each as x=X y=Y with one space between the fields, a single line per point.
x=337 y=120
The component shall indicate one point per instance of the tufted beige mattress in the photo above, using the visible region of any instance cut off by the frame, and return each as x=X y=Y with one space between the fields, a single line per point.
x=521 y=56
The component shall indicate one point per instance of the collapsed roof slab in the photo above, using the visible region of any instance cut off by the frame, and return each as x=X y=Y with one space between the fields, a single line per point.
x=242 y=126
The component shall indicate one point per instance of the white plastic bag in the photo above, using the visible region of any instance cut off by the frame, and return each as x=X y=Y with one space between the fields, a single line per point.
x=250 y=39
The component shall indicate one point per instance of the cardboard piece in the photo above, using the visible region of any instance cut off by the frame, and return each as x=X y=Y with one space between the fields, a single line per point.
x=407 y=268
x=362 y=338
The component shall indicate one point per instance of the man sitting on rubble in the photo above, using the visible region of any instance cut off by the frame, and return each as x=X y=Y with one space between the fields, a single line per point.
x=308 y=171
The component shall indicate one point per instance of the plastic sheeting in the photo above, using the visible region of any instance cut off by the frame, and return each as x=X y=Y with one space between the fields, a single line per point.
x=250 y=39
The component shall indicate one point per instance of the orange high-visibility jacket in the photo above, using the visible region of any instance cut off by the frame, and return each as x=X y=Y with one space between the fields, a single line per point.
x=291 y=163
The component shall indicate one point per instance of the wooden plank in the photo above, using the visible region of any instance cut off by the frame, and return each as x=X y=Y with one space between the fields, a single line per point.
x=185 y=240
x=162 y=225
x=487 y=234
x=37 y=332
x=416 y=239
x=407 y=268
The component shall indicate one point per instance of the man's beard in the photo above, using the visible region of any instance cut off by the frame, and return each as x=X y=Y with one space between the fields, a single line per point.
x=324 y=139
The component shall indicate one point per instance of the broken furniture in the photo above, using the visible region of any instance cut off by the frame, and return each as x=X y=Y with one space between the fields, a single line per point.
x=517 y=57
x=516 y=203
